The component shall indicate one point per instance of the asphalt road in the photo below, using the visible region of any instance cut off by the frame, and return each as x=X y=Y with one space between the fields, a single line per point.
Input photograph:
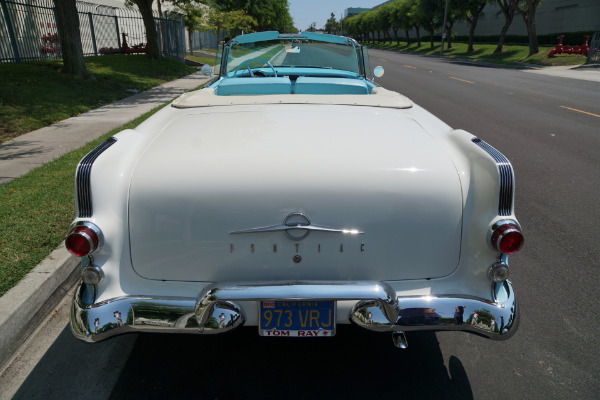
x=548 y=128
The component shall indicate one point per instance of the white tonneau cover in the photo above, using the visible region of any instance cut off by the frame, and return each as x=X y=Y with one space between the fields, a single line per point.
x=379 y=97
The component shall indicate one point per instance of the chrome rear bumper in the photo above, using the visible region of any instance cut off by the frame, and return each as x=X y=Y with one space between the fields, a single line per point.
x=377 y=308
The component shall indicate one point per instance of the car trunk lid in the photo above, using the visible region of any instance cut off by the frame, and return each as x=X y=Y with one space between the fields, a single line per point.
x=387 y=193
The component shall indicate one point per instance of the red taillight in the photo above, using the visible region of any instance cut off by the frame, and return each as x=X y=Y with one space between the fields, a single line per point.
x=507 y=238
x=83 y=239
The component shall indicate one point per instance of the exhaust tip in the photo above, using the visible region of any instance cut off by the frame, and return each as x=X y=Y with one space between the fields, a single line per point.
x=399 y=339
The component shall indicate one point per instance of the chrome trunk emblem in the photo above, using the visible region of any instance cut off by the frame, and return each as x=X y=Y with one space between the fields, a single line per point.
x=297 y=226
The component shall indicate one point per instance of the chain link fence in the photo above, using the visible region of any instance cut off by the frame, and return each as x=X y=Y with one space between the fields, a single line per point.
x=205 y=40
x=28 y=31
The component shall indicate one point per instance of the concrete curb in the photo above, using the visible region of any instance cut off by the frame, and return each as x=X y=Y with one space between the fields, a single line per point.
x=36 y=295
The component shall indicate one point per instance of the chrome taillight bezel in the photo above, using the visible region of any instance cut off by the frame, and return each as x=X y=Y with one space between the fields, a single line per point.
x=500 y=229
x=81 y=228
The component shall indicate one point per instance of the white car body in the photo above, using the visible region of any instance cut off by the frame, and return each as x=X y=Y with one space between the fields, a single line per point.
x=221 y=203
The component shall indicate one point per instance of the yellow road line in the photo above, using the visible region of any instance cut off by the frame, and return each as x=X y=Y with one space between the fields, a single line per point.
x=583 y=112
x=462 y=80
x=410 y=66
x=382 y=59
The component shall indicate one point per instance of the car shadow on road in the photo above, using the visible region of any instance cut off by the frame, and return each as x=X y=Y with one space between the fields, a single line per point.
x=353 y=364
x=242 y=365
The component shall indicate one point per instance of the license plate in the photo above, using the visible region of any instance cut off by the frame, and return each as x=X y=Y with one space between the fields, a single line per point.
x=304 y=318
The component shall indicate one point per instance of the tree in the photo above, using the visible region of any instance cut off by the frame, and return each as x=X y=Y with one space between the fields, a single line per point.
x=269 y=14
x=527 y=9
x=402 y=13
x=67 y=21
x=192 y=18
x=394 y=18
x=312 y=27
x=431 y=16
x=351 y=26
x=415 y=19
x=332 y=26
x=218 y=20
x=507 y=7
x=471 y=10
x=383 y=20
x=367 y=23
x=452 y=17
x=145 y=7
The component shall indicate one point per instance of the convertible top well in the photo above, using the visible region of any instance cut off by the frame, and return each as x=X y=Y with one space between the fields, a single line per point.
x=379 y=97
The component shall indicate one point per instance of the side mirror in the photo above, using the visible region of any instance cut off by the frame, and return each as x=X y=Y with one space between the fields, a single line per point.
x=378 y=71
x=206 y=70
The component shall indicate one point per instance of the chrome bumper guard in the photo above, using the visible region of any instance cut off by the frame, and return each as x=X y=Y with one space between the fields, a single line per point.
x=216 y=310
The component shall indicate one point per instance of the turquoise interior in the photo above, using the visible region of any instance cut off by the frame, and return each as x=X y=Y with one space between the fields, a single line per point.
x=285 y=85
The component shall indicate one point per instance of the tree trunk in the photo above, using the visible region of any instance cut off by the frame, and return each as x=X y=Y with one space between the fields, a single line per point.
x=145 y=7
x=529 y=18
x=507 y=23
x=191 y=39
x=431 y=38
x=407 y=37
x=509 y=14
x=396 y=36
x=449 y=35
x=532 y=33
x=473 y=25
x=418 y=35
x=67 y=21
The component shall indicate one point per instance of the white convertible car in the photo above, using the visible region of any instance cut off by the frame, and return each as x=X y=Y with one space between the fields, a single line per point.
x=294 y=194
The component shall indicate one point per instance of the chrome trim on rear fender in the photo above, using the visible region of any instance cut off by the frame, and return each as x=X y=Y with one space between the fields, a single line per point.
x=83 y=191
x=505 y=173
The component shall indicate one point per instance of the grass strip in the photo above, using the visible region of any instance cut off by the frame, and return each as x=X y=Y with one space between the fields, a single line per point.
x=38 y=208
x=202 y=59
x=511 y=55
x=36 y=94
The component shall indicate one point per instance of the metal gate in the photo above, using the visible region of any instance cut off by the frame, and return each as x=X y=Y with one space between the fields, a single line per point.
x=28 y=31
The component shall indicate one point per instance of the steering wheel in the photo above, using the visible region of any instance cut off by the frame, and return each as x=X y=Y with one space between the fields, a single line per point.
x=247 y=64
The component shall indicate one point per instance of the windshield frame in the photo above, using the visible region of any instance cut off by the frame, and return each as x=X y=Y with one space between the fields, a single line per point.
x=360 y=57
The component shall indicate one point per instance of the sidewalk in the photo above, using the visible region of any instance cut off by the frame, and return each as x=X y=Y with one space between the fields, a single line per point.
x=587 y=72
x=28 y=303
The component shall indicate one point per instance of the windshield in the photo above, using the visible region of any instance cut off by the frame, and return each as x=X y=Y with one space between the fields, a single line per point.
x=284 y=53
